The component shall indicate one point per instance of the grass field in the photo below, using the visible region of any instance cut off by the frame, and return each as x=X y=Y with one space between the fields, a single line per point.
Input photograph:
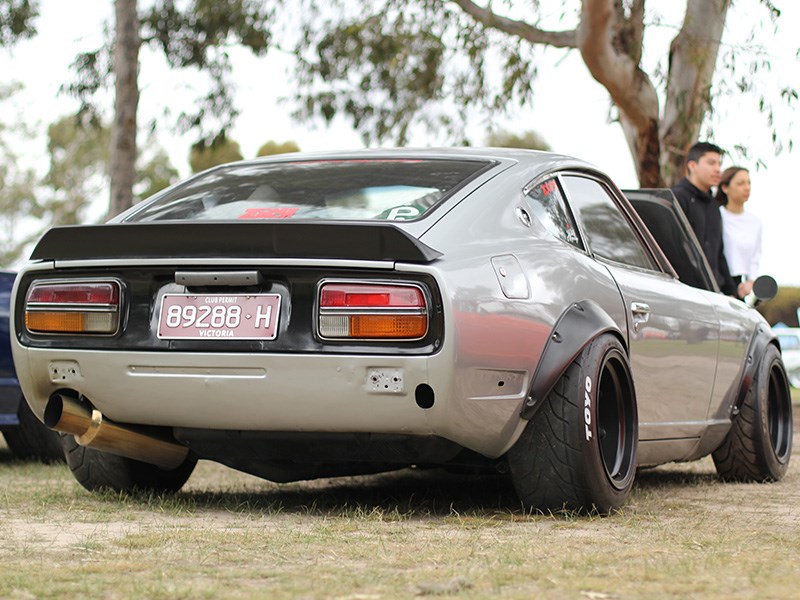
x=402 y=535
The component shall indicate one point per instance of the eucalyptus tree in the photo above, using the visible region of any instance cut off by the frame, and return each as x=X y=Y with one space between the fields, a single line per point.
x=388 y=65
x=17 y=179
x=191 y=35
x=17 y=20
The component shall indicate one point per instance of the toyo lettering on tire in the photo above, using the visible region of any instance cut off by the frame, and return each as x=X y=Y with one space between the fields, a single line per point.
x=579 y=451
x=759 y=443
x=96 y=470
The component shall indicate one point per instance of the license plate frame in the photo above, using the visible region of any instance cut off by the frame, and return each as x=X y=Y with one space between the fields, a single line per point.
x=258 y=317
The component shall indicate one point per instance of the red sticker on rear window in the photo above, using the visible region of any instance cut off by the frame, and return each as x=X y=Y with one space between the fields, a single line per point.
x=548 y=187
x=269 y=213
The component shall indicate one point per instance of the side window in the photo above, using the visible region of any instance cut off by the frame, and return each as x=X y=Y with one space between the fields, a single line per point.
x=548 y=206
x=684 y=256
x=608 y=232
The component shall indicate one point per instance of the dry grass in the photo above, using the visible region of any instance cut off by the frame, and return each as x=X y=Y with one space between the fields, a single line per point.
x=401 y=535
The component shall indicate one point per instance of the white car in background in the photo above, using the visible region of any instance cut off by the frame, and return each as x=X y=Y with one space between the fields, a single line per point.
x=789 y=338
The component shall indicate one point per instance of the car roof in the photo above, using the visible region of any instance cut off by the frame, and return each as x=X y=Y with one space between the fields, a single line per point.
x=538 y=160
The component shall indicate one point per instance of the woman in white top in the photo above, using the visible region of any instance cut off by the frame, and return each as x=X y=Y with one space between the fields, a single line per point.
x=741 y=231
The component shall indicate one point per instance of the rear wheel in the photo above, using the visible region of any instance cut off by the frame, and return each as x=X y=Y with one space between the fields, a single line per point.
x=579 y=450
x=759 y=443
x=31 y=439
x=96 y=470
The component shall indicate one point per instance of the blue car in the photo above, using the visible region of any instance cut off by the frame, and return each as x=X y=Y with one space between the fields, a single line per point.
x=26 y=436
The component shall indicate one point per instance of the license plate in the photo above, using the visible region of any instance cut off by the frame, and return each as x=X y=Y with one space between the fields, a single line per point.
x=219 y=316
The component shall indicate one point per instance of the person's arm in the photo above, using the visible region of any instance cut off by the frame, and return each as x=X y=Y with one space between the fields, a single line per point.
x=754 y=265
x=755 y=260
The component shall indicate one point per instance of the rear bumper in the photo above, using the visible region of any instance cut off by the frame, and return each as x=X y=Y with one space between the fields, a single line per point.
x=284 y=392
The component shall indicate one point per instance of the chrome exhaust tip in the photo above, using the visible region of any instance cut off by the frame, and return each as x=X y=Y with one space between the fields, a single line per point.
x=67 y=414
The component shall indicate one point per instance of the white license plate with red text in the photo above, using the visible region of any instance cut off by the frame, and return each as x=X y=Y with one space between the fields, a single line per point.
x=219 y=316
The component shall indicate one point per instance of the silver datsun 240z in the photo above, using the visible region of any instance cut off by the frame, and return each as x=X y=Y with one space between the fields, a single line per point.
x=319 y=315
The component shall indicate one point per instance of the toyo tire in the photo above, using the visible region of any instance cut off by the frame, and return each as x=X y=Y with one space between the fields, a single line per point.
x=578 y=452
x=96 y=470
x=759 y=443
x=31 y=439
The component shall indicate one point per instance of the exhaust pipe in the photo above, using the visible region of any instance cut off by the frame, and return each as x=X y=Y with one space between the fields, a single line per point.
x=66 y=414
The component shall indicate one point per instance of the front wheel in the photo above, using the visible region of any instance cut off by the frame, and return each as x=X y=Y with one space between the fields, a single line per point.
x=96 y=470
x=578 y=452
x=759 y=443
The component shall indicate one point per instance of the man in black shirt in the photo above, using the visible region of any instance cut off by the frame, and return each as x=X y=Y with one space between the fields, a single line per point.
x=694 y=195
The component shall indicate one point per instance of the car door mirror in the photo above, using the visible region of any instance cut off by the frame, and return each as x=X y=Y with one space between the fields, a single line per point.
x=765 y=288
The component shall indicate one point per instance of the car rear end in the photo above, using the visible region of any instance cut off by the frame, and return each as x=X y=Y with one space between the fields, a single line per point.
x=241 y=315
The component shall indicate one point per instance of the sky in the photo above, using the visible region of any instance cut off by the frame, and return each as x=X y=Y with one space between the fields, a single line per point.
x=570 y=110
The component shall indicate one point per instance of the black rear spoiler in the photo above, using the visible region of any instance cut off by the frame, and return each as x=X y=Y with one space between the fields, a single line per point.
x=354 y=241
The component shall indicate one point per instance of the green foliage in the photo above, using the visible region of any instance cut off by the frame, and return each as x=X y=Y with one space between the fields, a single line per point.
x=17 y=182
x=390 y=66
x=783 y=307
x=79 y=154
x=92 y=74
x=220 y=151
x=197 y=37
x=155 y=175
x=271 y=147
x=78 y=159
x=77 y=177
x=17 y=20
x=528 y=139
x=191 y=35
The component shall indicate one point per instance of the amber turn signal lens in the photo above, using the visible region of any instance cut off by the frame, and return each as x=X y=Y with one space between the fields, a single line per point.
x=70 y=322
x=54 y=322
x=389 y=326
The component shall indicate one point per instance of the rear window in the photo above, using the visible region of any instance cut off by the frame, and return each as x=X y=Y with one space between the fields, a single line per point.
x=371 y=189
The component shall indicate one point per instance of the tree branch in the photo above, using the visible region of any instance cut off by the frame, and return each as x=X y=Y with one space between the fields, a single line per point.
x=636 y=21
x=611 y=59
x=521 y=29
x=616 y=71
x=692 y=57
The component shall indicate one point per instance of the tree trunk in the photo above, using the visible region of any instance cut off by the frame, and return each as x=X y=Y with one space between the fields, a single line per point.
x=123 y=131
x=692 y=57
x=611 y=47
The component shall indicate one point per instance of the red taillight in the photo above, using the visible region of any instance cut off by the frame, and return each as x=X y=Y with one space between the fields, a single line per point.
x=372 y=311
x=375 y=296
x=86 y=307
x=75 y=293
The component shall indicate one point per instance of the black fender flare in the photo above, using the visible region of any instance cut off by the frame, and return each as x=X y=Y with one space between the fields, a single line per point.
x=576 y=327
x=763 y=336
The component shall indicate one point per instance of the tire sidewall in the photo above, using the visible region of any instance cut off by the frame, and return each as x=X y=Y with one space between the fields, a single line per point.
x=97 y=470
x=774 y=465
x=605 y=494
